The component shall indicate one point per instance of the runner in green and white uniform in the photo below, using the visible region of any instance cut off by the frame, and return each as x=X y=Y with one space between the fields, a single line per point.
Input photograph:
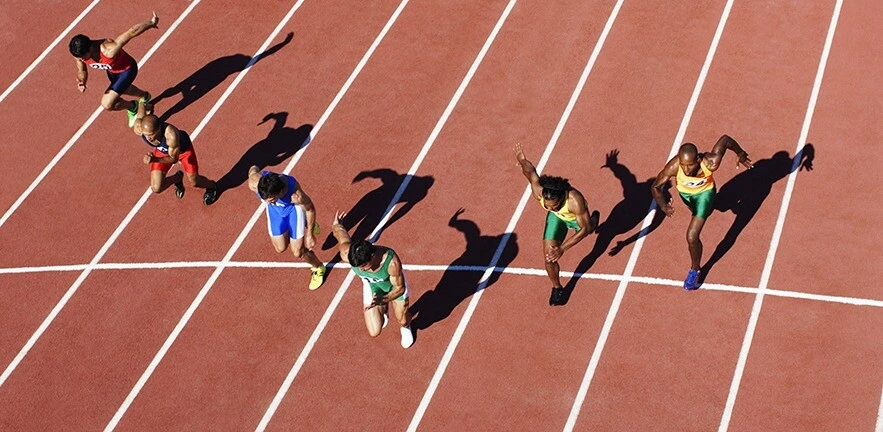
x=383 y=281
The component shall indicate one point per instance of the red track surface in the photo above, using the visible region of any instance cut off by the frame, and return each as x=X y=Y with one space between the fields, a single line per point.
x=667 y=359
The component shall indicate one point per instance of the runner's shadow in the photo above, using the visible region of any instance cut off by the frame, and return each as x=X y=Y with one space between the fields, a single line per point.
x=281 y=143
x=368 y=212
x=746 y=192
x=625 y=216
x=210 y=76
x=456 y=285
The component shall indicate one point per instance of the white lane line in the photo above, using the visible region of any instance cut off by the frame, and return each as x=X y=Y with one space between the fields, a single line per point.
x=202 y=293
x=70 y=292
x=46 y=51
x=633 y=258
x=473 y=301
x=444 y=267
x=780 y=222
x=88 y=123
x=879 y=427
x=286 y=384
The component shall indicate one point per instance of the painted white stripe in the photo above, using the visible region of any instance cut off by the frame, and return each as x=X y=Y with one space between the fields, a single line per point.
x=780 y=222
x=633 y=258
x=46 y=51
x=88 y=123
x=70 y=292
x=349 y=278
x=879 y=427
x=204 y=291
x=646 y=280
x=473 y=301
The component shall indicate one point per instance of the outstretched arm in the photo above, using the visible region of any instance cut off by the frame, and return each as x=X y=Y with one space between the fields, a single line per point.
x=529 y=171
x=714 y=158
x=670 y=171
x=342 y=236
x=112 y=48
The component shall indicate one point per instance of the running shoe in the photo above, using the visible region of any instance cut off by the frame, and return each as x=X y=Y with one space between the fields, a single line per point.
x=179 y=186
x=407 y=337
x=557 y=296
x=318 y=278
x=132 y=113
x=385 y=321
x=692 y=281
x=210 y=196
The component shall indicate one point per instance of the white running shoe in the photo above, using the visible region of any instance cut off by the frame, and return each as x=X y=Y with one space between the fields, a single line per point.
x=407 y=337
x=385 y=320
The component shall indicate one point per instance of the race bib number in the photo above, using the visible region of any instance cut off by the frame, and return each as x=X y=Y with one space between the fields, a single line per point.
x=373 y=280
x=101 y=66
x=696 y=183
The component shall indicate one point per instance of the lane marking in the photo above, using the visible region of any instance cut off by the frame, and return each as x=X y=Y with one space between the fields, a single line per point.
x=780 y=222
x=70 y=292
x=473 y=301
x=88 y=123
x=373 y=237
x=633 y=257
x=46 y=51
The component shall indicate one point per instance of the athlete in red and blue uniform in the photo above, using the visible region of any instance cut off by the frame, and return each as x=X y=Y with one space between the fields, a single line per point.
x=291 y=218
x=171 y=145
x=108 y=55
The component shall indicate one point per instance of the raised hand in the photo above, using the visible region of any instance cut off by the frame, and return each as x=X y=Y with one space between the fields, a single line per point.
x=744 y=161
x=81 y=86
x=154 y=22
x=338 y=215
x=519 y=153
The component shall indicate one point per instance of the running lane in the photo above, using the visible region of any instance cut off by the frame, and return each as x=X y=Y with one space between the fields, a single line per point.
x=30 y=27
x=815 y=365
x=670 y=355
x=39 y=117
x=538 y=354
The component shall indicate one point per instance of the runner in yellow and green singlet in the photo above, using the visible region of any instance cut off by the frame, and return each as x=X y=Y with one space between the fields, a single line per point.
x=695 y=184
x=567 y=210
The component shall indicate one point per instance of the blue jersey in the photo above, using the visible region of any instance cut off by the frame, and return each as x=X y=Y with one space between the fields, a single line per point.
x=283 y=206
x=184 y=142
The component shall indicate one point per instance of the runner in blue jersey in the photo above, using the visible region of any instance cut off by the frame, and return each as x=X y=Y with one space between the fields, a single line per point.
x=290 y=213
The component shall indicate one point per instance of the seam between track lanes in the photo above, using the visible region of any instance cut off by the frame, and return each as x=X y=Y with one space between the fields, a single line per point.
x=780 y=222
x=219 y=268
x=47 y=50
x=473 y=301
x=70 y=292
x=86 y=125
x=633 y=257
x=647 y=280
x=286 y=384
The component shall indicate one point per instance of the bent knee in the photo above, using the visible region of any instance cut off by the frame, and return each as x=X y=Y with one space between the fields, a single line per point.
x=155 y=188
x=108 y=104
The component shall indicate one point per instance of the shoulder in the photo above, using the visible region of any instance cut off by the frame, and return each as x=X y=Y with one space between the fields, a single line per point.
x=576 y=201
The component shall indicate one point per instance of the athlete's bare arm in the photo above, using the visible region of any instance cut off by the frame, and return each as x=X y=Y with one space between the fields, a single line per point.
x=254 y=176
x=576 y=203
x=82 y=75
x=670 y=171
x=397 y=278
x=171 y=134
x=301 y=198
x=714 y=157
x=112 y=47
x=529 y=171
x=342 y=236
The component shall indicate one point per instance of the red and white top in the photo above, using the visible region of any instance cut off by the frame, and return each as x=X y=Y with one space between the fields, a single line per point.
x=117 y=64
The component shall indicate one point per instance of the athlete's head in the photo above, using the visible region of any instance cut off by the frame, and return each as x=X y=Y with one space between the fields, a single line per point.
x=555 y=191
x=80 y=46
x=361 y=253
x=271 y=186
x=687 y=157
x=150 y=127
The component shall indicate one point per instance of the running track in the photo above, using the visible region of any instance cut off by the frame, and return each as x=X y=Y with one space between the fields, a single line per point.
x=136 y=312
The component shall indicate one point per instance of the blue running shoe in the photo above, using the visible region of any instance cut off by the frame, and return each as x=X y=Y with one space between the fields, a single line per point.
x=692 y=281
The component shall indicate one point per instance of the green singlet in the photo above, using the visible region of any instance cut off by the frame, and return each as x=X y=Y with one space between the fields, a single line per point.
x=379 y=281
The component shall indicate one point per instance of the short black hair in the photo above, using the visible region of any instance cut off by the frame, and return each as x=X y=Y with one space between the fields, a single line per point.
x=554 y=188
x=271 y=185
x=80 y=46
x=361 y=252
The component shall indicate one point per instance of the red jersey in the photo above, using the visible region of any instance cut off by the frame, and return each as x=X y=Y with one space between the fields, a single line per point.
x=119 y=63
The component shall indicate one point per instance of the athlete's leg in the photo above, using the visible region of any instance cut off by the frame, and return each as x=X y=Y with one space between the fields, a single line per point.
x=552 y=268
x=132 y=90
x=693 y=242
x=280 y=242
x=302 y=253
x=111 y=102
x=401 y=310
x=373 y=315
x=159 y=182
